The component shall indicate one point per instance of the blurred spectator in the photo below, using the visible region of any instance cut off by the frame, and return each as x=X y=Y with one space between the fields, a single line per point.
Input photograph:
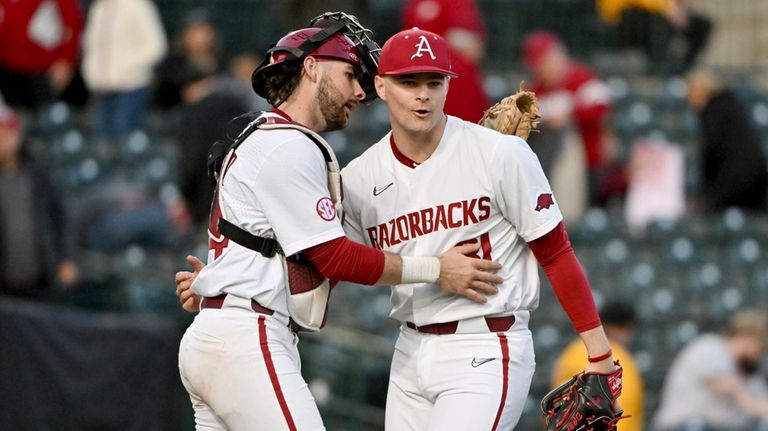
x=619 y=321
x=123 y=41
x=656 y=190
x=39 y=41
x=241 y=68
x=204 y=118
x=668 y=31
x=707 y=382
x=120 y=213
x=733 y=167
x=571 y=95
x=35 y=247
x=198 y=43
x=460 y=23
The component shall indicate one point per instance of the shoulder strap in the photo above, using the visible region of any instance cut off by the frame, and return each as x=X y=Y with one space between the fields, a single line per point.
x=332 y=164
x=280 y=123
x=219 y=150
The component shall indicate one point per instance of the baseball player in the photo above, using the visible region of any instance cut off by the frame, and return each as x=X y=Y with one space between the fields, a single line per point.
x=436 y=181
x=273 y=211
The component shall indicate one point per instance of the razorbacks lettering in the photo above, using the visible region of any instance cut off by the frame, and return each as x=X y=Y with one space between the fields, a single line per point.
x=428 y=220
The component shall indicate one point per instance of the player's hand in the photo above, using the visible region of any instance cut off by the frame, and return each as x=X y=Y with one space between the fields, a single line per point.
x=606 y=366
x=184 y=279
x=468 y=276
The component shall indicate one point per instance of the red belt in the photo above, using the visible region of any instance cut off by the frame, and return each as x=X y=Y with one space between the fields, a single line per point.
x=495 y=324
x=218 y=302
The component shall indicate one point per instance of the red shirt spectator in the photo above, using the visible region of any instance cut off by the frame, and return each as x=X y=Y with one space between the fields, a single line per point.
x=460 y=23
x=36 y=33
x=568 y=91
x=39 y=44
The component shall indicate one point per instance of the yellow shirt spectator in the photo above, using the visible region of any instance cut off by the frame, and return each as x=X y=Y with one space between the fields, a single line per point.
x=611 y=10
x=574 y=358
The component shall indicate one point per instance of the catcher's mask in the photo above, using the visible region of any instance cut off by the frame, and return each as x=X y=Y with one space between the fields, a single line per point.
x=334 y=35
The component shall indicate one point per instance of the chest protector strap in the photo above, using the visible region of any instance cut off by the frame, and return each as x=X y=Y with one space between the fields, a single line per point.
x=308 y=291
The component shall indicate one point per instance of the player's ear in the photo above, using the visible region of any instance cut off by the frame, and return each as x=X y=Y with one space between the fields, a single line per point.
x=378 y=82
x=311 y=67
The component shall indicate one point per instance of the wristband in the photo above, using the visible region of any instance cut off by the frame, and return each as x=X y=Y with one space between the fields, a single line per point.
x=602 y=357
x=420 y=269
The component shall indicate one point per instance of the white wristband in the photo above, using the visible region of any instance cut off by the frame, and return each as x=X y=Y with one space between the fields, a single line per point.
x=420 y=269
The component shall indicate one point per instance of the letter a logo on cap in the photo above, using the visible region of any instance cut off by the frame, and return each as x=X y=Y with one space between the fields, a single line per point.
x=422 y=47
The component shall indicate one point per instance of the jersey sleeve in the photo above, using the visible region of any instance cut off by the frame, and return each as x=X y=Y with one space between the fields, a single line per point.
x=524 y=195
x=289 y=189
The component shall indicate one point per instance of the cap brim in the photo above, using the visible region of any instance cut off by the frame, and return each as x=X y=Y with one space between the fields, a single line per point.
x=419 y=69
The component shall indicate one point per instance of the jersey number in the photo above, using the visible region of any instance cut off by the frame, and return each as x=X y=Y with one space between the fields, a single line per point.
x=214 y=244
x=485 y=247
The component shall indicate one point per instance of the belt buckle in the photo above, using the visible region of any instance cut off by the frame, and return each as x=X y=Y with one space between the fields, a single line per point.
x=500 y=324
x=447 y=328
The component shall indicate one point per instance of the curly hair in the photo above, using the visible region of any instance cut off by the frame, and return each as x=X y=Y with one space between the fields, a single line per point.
x=282 y=81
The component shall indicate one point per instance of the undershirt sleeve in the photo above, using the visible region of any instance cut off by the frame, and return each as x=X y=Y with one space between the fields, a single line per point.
x=555 y=254
x=343 y=260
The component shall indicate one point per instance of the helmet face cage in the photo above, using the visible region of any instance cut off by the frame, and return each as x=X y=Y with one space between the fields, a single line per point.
x=364 y=42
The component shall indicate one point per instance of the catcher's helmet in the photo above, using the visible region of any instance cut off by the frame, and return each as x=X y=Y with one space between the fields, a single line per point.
x=332 y=35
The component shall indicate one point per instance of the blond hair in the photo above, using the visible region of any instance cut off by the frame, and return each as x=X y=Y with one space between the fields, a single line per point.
x=750 y=322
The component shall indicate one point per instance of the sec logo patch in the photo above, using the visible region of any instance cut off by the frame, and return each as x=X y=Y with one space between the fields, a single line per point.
x=326 y=209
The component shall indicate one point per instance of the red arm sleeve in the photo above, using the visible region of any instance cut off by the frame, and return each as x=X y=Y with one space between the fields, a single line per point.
x=556 y=256
x=343 y=259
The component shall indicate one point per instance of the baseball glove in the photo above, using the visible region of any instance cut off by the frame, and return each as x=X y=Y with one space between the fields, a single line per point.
x=584 y=403
x=517 y=114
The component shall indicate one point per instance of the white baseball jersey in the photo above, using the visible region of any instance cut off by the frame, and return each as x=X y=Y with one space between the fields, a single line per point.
x=276 y=186
x=478 y=185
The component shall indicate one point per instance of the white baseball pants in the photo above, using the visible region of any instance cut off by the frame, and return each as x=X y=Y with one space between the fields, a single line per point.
x=242 y=371
x=462 y=381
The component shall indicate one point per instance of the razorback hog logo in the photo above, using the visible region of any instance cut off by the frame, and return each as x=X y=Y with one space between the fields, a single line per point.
x=544 y=201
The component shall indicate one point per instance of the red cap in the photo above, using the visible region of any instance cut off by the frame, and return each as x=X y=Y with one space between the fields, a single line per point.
x=537 y=45
x=8 y=118
x=414 y=51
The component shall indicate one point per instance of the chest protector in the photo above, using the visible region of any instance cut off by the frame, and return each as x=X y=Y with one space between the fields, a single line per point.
x=307 y=290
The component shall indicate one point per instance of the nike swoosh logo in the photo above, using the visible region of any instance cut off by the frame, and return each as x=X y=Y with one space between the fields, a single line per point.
x=377 y=191
x=477 y=362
